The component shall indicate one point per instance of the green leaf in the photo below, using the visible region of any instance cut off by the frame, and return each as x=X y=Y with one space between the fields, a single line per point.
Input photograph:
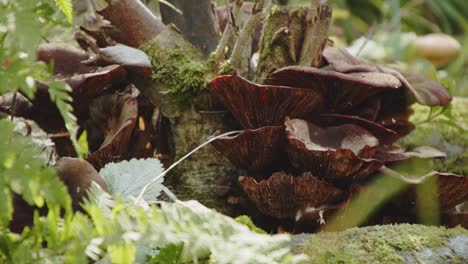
x=66 y=7
x=127 y=178
x=170 y=254
x=23 y=172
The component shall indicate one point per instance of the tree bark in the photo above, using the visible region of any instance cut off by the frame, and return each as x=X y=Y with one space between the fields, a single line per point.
x=182 y=91
x=135 y=23
x=196 y=21
x=293 y=36
x=191 y=121
x=280 y=45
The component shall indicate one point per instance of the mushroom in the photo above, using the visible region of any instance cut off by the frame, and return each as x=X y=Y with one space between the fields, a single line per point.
x=438 y=48
x=256 y=105
x=65 y=58
x=77 y=175
x=341 y=92
x=335 y=153
x=422 y=89
x=115 y=115
x=283 y=195
x=258 y=151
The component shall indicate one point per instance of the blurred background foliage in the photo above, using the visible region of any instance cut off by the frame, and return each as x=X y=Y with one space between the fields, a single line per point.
x=385 y=28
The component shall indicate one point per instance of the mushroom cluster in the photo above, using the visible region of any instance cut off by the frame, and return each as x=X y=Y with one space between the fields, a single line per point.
x=105 y=104
x=314 y=135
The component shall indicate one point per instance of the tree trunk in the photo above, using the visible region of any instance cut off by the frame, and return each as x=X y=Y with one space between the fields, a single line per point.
x=293 y=36
x=282 y=37
x=196 y=22
x=189 y=110
x=180 y=86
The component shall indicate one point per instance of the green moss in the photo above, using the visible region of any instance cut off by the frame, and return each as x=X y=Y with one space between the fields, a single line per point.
x=447 y=133
x=182 y=76
x=177 y=66
x=299 y=12
x=226 y=68
x=377 y=244
x=245 y=220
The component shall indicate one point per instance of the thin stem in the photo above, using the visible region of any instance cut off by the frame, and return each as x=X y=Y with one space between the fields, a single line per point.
x=180 y=160
x=230 y=31
x=389 y=172
x=241 y=52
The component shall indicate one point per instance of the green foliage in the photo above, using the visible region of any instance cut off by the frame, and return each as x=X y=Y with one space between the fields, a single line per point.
x=59 y=92
x=245 y=220
x=24 y=173
x=169 y=255
x=447 y=132
x=66 y=7
x=383 y=244
x=23 y=25
x=125 y=232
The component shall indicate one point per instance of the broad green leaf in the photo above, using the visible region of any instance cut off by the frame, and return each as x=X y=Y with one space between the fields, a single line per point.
x=127 y=178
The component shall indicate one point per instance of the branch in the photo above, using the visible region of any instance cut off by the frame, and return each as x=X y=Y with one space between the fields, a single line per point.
x=242 y=49
x=315 y=36
x=231 y=29
x=135 y=23
x=196 y=22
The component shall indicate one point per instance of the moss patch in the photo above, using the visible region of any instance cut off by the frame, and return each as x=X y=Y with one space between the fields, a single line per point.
x=448 y=134
x=378 y=244
x=177 y=65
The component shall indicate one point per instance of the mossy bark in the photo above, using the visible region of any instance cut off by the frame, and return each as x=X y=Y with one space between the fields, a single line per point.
x=196 y=21
x=180 y=87
x=282 y=38
x=386 y=244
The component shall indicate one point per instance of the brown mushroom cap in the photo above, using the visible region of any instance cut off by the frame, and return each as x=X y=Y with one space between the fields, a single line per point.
x=436 y=47
x=134 y=60
x=283 y=195
x=66 y=58
x=256 y=105
x=85 y=87
x=258 y=151
x=341 y=92
x=336 y=153
x=77 y=175
x=383 y=134
x=422 y=89
x=44 y=112
x=391 y=154
x=116 y=116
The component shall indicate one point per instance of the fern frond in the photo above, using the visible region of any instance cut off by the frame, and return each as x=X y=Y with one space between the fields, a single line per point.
x=66 y=7
x=60 y=94
x=22 y=172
